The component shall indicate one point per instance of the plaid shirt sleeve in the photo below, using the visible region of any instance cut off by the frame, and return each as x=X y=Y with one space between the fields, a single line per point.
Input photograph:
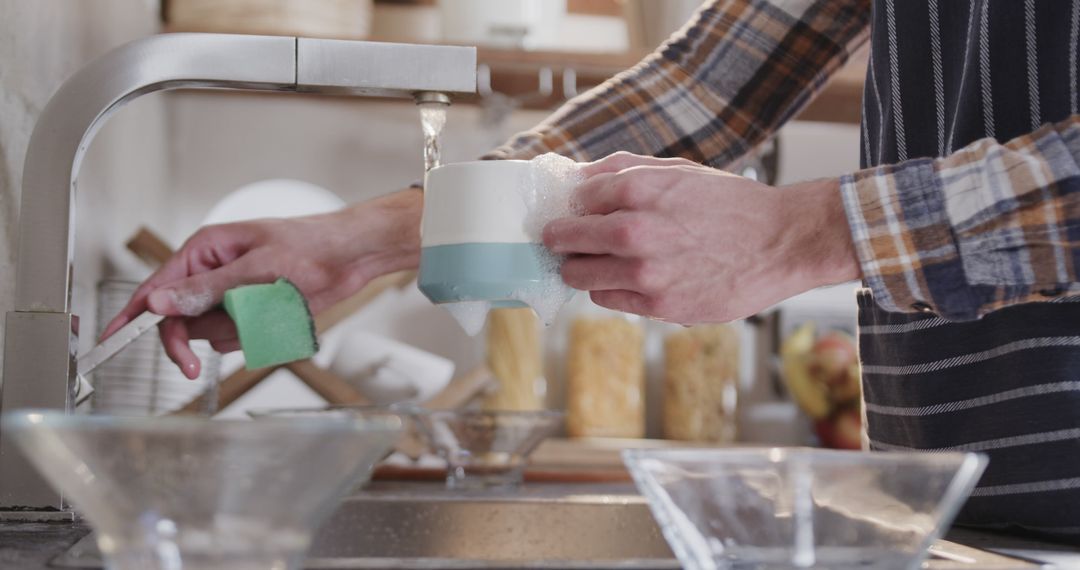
x=712 y=92
x=988 y=226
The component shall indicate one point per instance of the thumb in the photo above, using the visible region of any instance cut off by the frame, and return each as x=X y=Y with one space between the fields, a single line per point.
x=197 y=294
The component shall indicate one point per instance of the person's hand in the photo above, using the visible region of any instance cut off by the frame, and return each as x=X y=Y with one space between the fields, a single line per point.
x=676 y=241
x=328 y=257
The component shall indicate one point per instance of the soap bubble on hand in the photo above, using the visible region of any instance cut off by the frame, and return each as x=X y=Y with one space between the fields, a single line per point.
x=195 y=302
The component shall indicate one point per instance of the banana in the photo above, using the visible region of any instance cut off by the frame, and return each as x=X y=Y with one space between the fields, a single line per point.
x=795 y=356
x=811 y=395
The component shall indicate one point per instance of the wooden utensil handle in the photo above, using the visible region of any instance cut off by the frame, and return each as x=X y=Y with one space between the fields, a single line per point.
x=326 y=384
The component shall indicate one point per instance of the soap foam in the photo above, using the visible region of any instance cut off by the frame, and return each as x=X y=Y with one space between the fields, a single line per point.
x=548 y=193
x=470 y=315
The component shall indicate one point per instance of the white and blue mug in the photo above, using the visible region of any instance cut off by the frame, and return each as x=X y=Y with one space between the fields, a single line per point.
x=475 y=244
x=481 y=232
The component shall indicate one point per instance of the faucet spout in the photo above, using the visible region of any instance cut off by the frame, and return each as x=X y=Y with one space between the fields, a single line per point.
x=432 y=98
x=39 y=370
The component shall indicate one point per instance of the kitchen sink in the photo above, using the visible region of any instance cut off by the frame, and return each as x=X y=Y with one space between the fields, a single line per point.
x=424 y=525
x=417 y=525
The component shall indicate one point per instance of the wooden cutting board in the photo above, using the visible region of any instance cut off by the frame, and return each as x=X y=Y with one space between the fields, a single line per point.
x=596 y=454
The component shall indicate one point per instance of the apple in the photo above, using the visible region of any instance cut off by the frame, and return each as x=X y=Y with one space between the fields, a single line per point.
x=834 y=352
x=841 y=430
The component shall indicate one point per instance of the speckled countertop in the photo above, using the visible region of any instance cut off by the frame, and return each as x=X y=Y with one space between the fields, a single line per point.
x=30 y=546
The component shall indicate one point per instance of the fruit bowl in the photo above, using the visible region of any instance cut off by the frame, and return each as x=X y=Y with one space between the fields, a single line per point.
x=775 y=508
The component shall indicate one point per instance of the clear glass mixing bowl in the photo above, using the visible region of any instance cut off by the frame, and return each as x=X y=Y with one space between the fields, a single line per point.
x=187 y=493
x=774 y=508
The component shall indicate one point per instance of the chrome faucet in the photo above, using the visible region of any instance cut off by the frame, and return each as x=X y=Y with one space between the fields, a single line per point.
x=41 y=333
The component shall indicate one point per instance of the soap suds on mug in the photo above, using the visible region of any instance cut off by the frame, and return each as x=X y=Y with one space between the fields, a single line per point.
x=470 y=315
x=548 y=194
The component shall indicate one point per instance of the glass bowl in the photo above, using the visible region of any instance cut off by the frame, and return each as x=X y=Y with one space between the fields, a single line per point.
x=391 y=413
x=776 y=508
x=485 y=449
x=410 y=442
x=198 y=494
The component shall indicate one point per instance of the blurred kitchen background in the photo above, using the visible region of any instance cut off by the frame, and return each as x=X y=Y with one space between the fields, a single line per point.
x=168 y=159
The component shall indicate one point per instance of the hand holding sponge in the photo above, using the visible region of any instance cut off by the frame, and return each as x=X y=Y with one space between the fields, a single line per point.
x=273 y=322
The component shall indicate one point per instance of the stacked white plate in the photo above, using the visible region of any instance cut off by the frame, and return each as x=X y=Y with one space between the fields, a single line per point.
x=141 y=380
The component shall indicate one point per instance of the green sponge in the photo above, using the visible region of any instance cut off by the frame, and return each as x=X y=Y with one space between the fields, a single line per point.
x=273 y=323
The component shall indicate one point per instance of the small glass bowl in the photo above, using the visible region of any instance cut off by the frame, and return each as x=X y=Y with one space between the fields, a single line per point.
x=333 y=411
x=409 y=442
x=485 y=449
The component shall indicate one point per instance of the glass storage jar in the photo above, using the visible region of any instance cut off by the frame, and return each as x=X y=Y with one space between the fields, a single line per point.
x=701 y=378
x=605 y=376
x=514 y=356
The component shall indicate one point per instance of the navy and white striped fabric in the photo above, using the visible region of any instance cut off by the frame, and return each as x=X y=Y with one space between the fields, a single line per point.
x=945 y=73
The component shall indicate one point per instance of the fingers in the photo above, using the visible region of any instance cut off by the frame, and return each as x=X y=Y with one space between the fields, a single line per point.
x=175 y=268
x=622 y=160
x=209 y=248
x=175 y=338
x=594 y=196
x=635 y=188
x=620 y=233
x=215 y=326
x=225 y=346
x=624 y=301
x=626 y=181
x=122 y=318
x=197 y=294
x=608 y=273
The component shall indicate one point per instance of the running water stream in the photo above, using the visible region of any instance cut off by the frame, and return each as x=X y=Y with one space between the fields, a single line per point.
x=432 y=121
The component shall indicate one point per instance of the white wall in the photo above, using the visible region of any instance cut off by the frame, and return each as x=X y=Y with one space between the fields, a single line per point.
x=41 y=43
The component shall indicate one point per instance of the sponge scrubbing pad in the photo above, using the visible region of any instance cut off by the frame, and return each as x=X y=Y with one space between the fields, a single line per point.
x=273 y=323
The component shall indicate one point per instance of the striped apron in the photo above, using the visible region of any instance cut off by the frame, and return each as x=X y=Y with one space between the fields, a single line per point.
x=944 y=73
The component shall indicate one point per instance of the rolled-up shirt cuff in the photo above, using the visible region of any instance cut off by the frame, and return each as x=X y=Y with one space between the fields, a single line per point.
x=904 y=240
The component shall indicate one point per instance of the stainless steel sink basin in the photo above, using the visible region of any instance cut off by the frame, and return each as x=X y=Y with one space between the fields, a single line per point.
x=423 y=525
